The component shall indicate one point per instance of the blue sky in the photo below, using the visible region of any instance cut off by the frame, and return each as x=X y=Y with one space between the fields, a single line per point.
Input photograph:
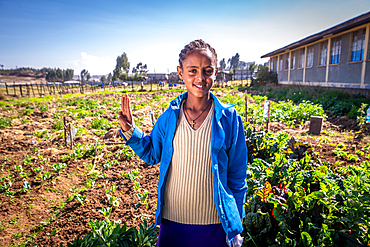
x=91 y=34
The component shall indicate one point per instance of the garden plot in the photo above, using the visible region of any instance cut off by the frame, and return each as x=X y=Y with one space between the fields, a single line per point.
x=49 y=192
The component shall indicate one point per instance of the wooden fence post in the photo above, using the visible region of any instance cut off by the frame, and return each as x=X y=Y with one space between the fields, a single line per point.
x=32 y=90
x=20 y=89
x=38 y=90
x=6 y=86
x=14 y=88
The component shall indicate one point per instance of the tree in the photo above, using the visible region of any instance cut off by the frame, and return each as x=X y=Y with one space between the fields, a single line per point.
x=222 y=65
x=59 y=75
x=140 y=68
x=252 y=67
x=110 y=77
x=266 y=76
x=103 y=78
x=242 y=65
x=234 y=62
x=122 y=66
x=84 y=74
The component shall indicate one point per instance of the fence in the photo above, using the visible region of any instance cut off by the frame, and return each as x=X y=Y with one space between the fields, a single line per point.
x=17 y=89
x=41 y=89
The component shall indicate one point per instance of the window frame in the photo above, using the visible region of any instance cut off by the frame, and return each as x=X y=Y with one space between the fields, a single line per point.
x=353 y=57
x=292 y=60
x=302 y=51
x=281 y=62
x=334 y=48
x=321 y=53
x=286 y=61
x=310 y=55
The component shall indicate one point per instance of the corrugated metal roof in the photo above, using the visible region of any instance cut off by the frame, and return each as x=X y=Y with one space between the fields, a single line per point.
x=357 y=21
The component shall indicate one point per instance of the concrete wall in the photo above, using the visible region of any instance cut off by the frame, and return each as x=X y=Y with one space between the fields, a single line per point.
x=367 y=74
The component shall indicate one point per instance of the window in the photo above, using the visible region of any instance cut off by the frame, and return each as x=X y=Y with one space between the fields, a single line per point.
x=273 y=63
x=358 y=45
x=310 y=56
x=301 y=58
x=292 y=60
x=323 y=52
x=286 y=64
x=281 y=62
x=335 y=50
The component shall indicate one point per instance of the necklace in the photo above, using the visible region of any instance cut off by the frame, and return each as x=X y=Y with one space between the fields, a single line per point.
x=192 y=122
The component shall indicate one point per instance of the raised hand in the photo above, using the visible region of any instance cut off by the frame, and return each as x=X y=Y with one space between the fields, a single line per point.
x=125 y=115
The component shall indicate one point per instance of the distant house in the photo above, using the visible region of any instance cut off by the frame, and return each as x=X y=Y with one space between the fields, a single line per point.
x=336 y=57
x=156 y=76
x=223 y=76
x=241 y=74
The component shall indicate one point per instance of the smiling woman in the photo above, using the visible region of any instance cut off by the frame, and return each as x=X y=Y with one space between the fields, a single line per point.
x=202 y=187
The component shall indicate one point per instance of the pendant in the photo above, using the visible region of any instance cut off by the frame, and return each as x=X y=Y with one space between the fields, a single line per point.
x=192 y=123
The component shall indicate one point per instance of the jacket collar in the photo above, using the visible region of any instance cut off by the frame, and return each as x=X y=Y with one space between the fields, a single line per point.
x=219 y=106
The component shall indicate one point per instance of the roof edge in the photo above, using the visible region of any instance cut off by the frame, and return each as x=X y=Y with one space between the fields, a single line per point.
x=356 y=21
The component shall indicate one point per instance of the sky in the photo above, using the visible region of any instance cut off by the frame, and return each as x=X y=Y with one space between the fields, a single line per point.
x=91 y=34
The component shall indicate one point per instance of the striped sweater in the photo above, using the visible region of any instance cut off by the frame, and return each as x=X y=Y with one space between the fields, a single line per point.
x=189 y=193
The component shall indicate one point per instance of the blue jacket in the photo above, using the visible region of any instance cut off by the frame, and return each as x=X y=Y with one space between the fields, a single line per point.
x=228 y=158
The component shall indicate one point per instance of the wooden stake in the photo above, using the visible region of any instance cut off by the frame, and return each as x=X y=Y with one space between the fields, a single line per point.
x=32 y=90
x=268 y=116
x=28 y=90
x=246 y=106
x=65 y=130
x=6 y=85
x=70 y=135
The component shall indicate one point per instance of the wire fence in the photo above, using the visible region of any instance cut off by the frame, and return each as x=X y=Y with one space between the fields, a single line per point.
x=17 y=89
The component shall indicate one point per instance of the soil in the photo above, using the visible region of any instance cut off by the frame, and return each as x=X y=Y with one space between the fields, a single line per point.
x=45 y=208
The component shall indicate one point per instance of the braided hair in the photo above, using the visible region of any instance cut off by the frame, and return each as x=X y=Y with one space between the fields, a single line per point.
x=196 y=45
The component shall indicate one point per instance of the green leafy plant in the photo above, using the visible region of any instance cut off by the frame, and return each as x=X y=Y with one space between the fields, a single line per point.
x=143 y=197
x=100 y=124
x=82 y=151
x=5 y=122
x=58 y=125
x=124 y=153
x=81 y=199
x=111 y=189
x=110 y=233
x=26 y=187
x=132 y=175
x=59 y=167
x=26 y=112
x=46 y=175
x=114 y=201
x=294 y=199
x=42 y=134
x=361 y=118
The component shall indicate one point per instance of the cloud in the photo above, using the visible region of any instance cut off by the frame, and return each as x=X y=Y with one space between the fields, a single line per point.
x=94 y=64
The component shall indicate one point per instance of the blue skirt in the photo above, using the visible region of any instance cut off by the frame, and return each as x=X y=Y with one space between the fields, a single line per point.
x=183 y=235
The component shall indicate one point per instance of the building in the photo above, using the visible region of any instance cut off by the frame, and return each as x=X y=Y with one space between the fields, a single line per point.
x=336 y=57
x=156 y=76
